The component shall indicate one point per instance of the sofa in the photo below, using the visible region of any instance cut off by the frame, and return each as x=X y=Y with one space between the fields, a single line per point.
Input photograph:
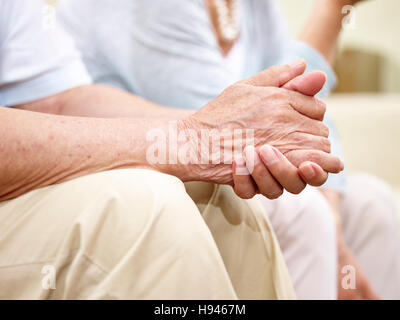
x=369 y=128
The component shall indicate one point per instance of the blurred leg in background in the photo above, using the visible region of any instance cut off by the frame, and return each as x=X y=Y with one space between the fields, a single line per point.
x=370 y=230
x=306 y=231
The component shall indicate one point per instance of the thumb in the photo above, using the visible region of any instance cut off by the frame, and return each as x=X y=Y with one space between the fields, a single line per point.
x=308 y=84
x=277 y=76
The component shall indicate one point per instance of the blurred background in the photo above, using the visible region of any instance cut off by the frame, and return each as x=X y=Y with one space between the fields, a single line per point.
x=365 y=105
x=369 y=50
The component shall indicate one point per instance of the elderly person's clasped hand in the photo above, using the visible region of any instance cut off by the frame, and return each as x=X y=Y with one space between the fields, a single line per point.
x=291 y=146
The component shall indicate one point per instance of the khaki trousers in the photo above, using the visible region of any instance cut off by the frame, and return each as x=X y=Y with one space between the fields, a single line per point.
x=137 y=234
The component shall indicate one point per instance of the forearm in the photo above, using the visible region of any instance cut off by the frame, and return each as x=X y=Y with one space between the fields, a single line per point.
x=99 y=101
x=40 y=149
x=323 y=27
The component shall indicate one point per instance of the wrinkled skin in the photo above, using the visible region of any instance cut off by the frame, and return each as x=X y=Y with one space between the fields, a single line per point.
x=282 y=118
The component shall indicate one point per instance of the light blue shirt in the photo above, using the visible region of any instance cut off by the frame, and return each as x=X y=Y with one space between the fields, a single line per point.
x=167 y=52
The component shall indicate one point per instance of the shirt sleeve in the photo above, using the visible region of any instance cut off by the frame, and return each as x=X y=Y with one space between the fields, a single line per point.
x=37 y=58
x=315 y=61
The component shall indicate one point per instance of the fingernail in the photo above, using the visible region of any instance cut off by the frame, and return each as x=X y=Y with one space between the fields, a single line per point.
x=251 y=158
x=268 y=154
x=240 y=162
x=308 y=172
x=249 y=153
x=239 y=167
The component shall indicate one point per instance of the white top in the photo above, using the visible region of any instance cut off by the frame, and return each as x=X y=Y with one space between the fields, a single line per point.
x=234 y=61
x=156 y=48
x=37 y=59
x=167 y=52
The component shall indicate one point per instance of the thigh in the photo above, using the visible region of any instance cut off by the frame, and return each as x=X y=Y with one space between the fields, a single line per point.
x=117 y=234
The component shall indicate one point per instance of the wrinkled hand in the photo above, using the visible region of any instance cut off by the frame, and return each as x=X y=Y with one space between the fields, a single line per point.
x=272 y=172
x=287 y=120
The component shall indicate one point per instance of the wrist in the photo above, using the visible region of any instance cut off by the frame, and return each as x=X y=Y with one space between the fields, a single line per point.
x=201 y=152
x=192 y=158
x=172 y=149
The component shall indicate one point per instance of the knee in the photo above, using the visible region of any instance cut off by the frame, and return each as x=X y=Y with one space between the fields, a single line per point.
x=158 y=216
x=135 y=195
x=127 y=224
x=125 y=207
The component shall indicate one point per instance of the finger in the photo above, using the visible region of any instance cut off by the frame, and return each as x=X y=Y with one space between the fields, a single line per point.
x=312 y=174
x=266 y=183
x=285 y=173
x=277 y=76
x=306 y=141
x=326 y=161
x=309 y=84
x=304 y=124
x=243 y=183
x=311 y=107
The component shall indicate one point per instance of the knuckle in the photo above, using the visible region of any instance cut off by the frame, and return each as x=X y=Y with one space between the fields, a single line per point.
x=249 y=195
x=274 y=93
x=244 y=188
x=296 y=189
x=238 y=87
x=244 y=194
x=321 y=107
x=301 y=138
x=324 y=130
x=242 y=92
x=273 y=194
x=326 y=145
